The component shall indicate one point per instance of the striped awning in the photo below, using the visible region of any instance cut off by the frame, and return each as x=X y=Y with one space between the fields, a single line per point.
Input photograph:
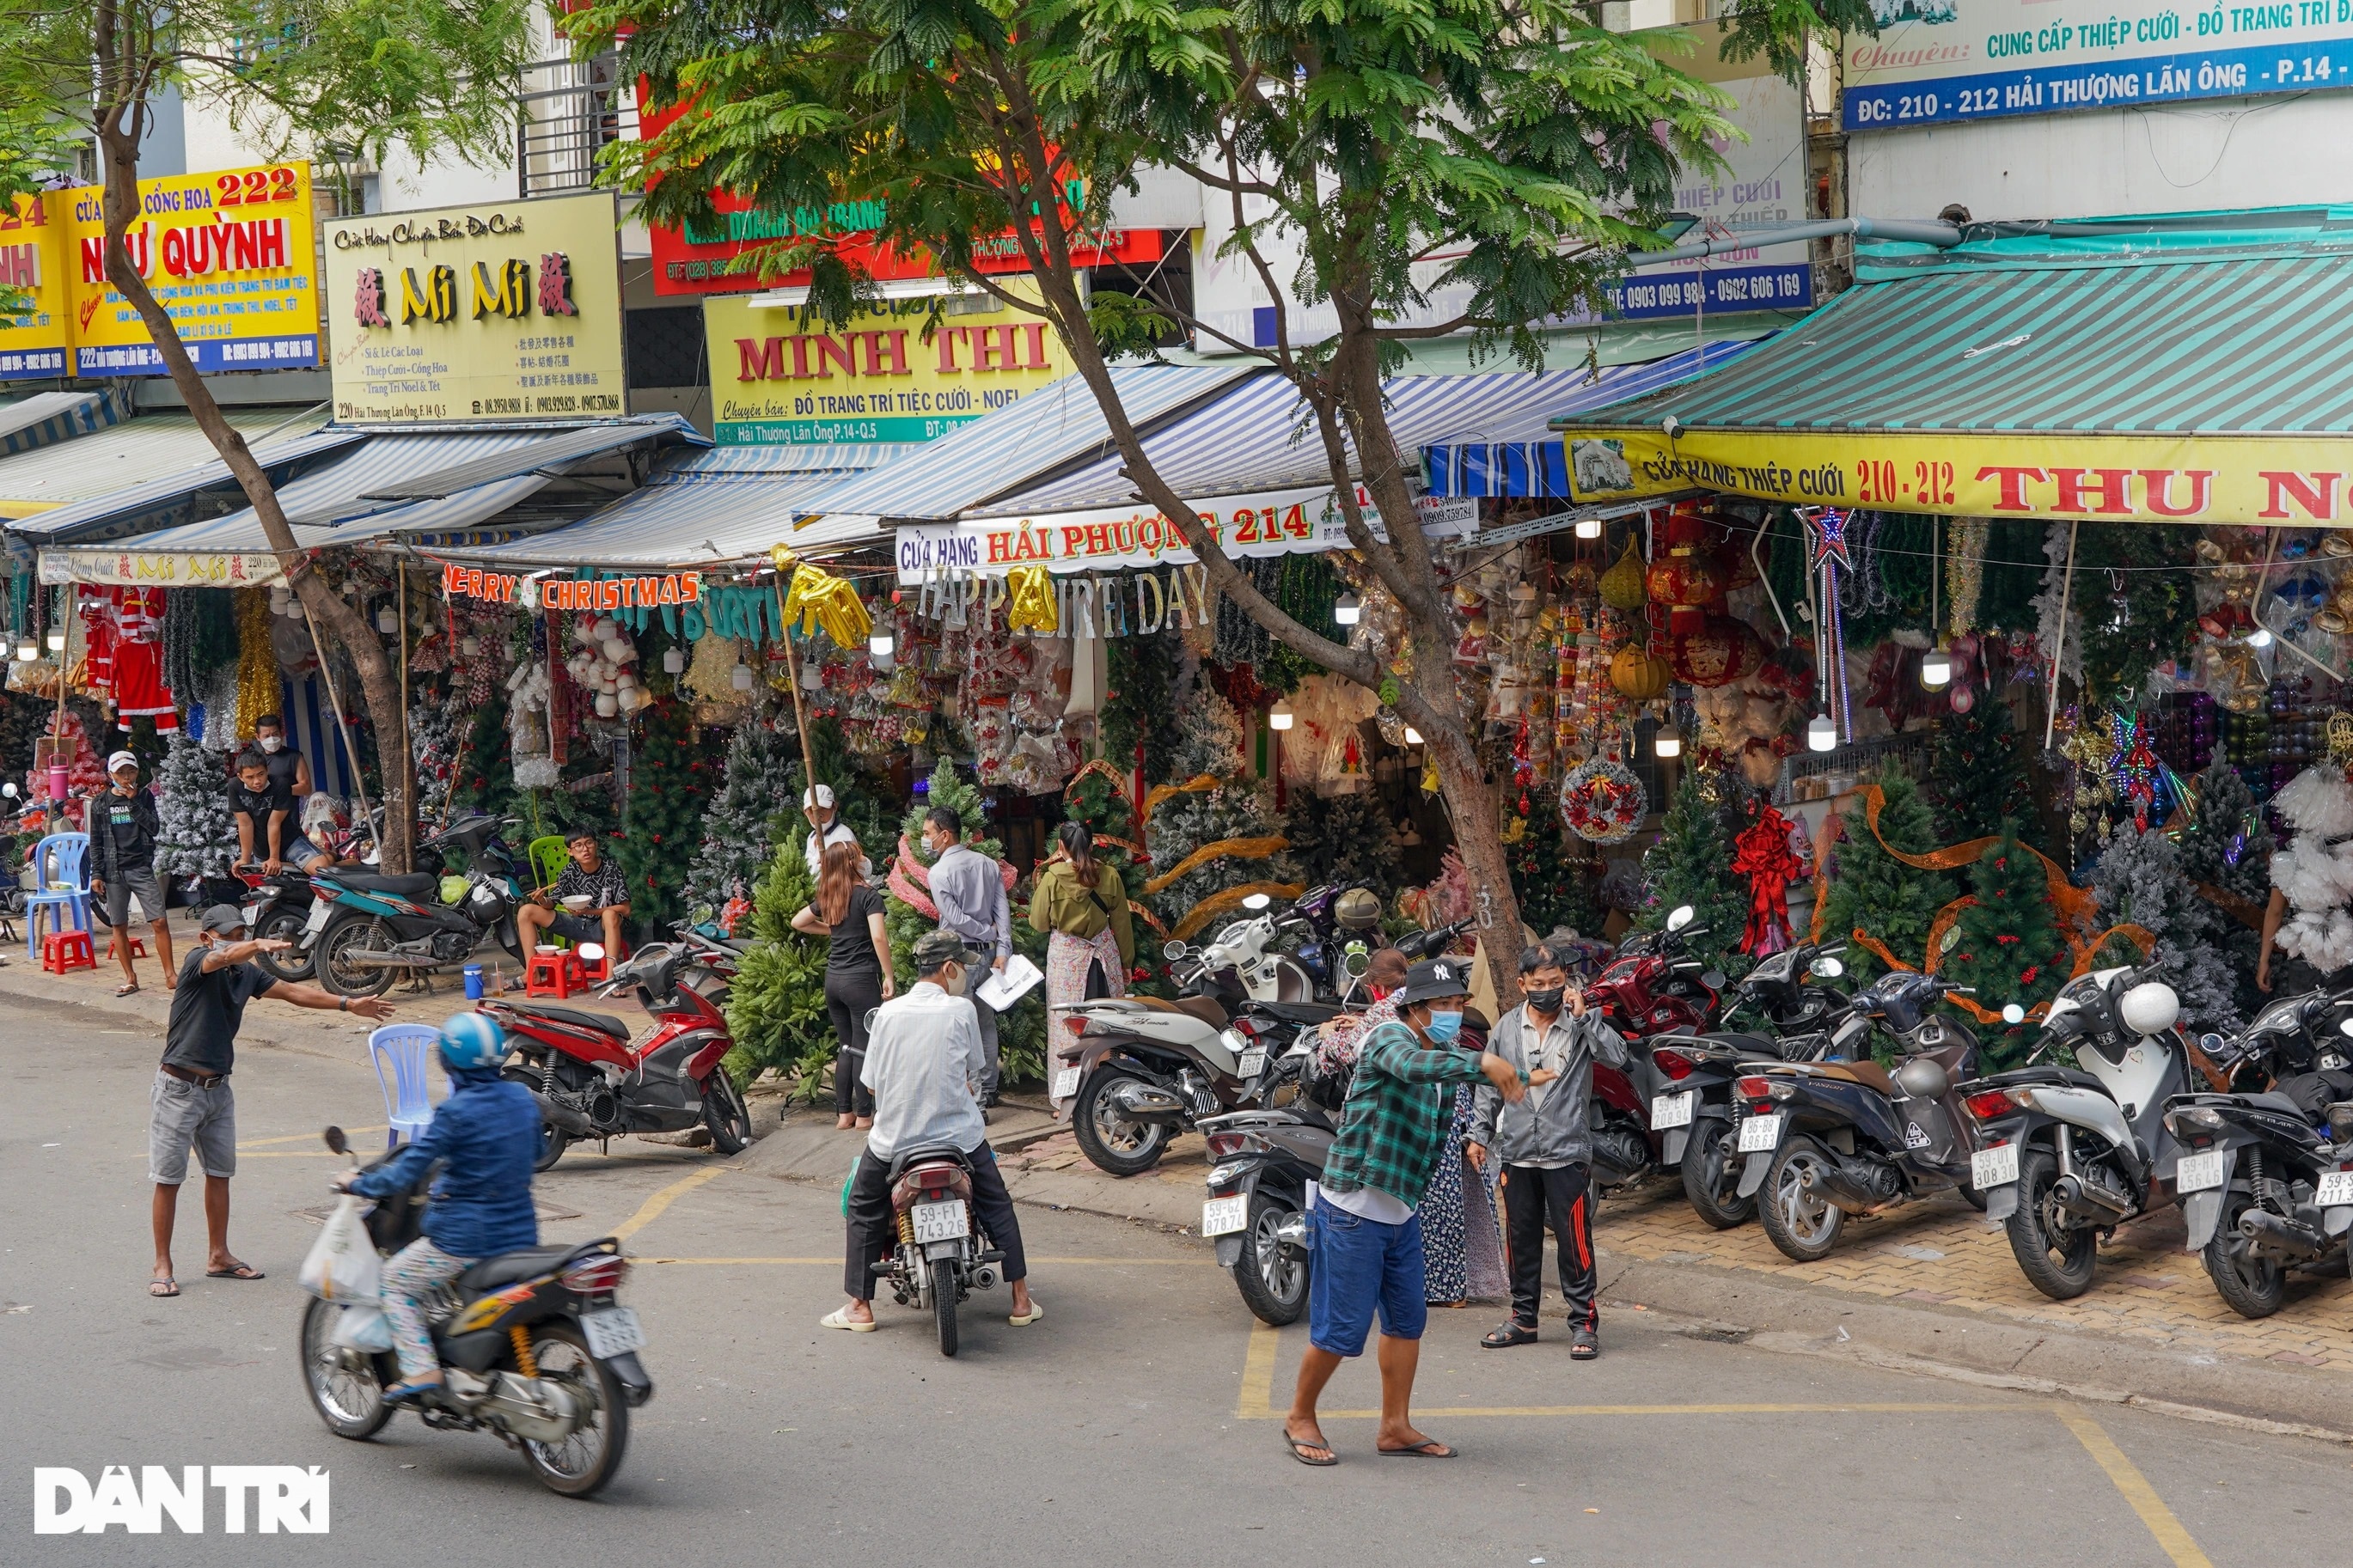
x=2170 y=387
x=48 y=417
x=678 y=521
x=150 y=471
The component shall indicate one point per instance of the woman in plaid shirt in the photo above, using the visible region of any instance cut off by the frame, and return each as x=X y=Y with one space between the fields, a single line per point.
x=1364 y=1238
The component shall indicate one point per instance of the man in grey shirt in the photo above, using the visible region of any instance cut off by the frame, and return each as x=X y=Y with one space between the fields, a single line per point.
x=969 y=889
x=922 y=1062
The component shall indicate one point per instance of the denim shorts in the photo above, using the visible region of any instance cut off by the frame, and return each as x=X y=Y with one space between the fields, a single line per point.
x=1356 y=1263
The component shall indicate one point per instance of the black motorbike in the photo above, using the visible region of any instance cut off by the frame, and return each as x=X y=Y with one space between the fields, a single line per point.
x=534 y=1346
x=1260 y=1163
x=367 y=928
x=276 y=909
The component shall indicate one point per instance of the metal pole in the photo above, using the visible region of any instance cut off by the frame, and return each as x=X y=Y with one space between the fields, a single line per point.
x=800 y=714
x=327 y=675
x=2058 y=642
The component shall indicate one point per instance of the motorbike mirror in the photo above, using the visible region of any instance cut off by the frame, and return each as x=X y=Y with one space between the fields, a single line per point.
x=1174 y=951
x=592 y=952
x=9 y=790
x=1683 y=915
x=1829 y=968
x=1713 y=979
x=337 y=1141
x=1355 y=961
x=2346 y=1027
x=2013 y=1014
x=1256 y=902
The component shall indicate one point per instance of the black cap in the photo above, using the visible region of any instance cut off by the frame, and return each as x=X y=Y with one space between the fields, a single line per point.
x=1432 y=979
x=942 y=947
x=226 y=918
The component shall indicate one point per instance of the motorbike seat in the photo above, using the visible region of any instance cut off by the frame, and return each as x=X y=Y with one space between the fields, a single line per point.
x=2272 y=1100
x=1202 y=1008
x=373 y=881
x=1296 y=1011
x=1871 y=1075
x=1758 y=1047
x=578 y=1017
x=513 y=1267
x=906 y=1157
x=2073 y=1077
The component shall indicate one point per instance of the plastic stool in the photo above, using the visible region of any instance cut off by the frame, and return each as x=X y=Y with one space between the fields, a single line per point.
x=138 y=947
x=63 y=952
x=595 y=971
x=548 y=974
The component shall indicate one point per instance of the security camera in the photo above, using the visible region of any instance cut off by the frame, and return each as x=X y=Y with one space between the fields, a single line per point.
x=1672 y=425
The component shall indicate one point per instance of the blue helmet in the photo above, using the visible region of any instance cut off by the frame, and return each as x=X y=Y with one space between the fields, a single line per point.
x=472 y=1041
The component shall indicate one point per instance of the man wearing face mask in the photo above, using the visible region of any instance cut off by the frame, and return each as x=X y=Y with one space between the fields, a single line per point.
x=290 y=772
x=1546 y=1146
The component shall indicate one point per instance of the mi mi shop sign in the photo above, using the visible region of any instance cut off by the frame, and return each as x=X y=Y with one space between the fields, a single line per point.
x=237 y=1499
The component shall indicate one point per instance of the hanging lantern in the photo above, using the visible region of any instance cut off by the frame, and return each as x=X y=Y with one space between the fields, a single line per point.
x=1717 y=652
x=673 y=660
x=1638 y=675
x=387 y=620
x=1687 y=579
x=1624 y=586
x=741 y=679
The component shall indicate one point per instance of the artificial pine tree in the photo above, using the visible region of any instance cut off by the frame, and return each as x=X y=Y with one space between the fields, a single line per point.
x=1555 y=879
x=1977 y=777
x=1871 y=889
x=1692 y=864
x=434 y=737
x=1345 y=838
x=2140 y=880
x=775 y=1008
x=2227 y=846
x=1107 y=814
x=2007 y=945
x=669 y=785
x=197 y=838
x=754 y=791
x=1239 y=807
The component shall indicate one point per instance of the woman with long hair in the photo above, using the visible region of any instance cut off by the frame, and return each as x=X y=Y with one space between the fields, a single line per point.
x=858 y=980
x=1081 y=903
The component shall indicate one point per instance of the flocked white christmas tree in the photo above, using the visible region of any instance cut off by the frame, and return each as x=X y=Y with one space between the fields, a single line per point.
x=438 y=743
x=196 y=836
x=2140 y=880
x=758 y=786
x=1210 y=742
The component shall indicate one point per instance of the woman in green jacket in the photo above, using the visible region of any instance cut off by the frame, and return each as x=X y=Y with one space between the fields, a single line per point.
x=1081 y=903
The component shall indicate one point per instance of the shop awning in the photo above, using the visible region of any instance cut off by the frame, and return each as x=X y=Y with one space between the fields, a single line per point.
x=1516 y=453
x=147 y=472
x=543 y=454
x=2200 y=387
x=48 y=417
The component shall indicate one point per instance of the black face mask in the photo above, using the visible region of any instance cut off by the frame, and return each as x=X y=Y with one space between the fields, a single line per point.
x=1545 y=1002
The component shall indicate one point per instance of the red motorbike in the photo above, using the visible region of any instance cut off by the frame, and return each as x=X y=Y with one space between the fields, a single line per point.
x=593 y=1082
x=1650 y=988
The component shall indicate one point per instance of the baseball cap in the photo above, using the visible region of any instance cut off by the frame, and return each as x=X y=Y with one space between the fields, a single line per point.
x=940 y=947
x=119 y=761
x=224 y=918
x=821 y=797
x=1432 y=979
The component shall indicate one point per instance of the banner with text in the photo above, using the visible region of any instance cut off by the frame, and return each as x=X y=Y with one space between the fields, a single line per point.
x=1943 y=60
x=230 y=254
x=2154 y=478
x=1105 y=539
x=36 y=340
x=143 y=569
x=510 y=310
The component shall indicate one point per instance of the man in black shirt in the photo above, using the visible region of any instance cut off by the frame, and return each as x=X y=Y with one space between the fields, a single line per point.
x=266 y=831
x=191 y=1105
x=122 y=832
x=595 y=885
x=287 y=769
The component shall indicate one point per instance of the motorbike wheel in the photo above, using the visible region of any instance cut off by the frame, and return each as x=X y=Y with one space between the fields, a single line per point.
x=2251 y=1286
x=1273 y=1282
x=1804 y=1226
x=354 y=935
x=1110 y=1140
x=293 y=964
x=349 y=1403
x=2057 y=1255
x=585 y=1461
x=725 y=1112
x=553 y=1141
x=944 y=1307
x=1711 y=1177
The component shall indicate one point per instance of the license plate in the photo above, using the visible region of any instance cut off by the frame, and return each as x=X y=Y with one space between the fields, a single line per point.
x=1066 y=1082
x=941 y=1222
x=1671 y=1110
x=1994 y=1168
x=1761 y=1134
x=2335 y=1189
x=612 y=1332
x=2199 y=1172
x=1223 y=1216
x=318 y=913
x=1253 y=1061
x=252 y=916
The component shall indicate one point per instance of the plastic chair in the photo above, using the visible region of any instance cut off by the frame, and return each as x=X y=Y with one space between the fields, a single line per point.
x=548 y=856
x=58 y=884
x=407 y=1105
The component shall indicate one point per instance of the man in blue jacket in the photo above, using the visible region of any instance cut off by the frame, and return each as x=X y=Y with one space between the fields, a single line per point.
x=487 y=1133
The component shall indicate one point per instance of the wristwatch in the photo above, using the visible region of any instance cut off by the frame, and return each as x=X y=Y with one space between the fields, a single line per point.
x=343 y=1004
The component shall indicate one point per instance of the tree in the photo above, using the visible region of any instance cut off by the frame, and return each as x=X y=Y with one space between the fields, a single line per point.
x=775 y=1008
x=669 y=785
x=1977 y=777
x=2140 y=880
x=1692 y=864
x=1871 y=889
x=1349 y=839
x=350 y=77
x=196 y=837
x=1517 y=138
x=2227 y=847
x=2009 y=946
x=755 y=791
x=1554 y=874
x=1209 y=745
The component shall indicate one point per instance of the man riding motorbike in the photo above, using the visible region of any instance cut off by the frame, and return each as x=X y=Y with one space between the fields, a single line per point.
x=487 y=1135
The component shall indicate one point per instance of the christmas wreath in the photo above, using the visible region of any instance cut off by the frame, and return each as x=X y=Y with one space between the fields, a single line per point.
x=1602 y=802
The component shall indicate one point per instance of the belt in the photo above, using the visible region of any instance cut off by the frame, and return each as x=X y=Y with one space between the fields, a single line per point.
x=201 y=1080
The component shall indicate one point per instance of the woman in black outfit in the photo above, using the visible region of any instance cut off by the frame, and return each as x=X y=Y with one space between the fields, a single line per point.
x=857 y=970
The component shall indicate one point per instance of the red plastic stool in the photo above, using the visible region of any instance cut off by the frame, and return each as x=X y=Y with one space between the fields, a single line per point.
x=63 y=952
x=595 y=971
x=138 y=947
x=545 y=974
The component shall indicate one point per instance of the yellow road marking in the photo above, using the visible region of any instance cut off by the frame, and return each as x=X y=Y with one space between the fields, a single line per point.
x=652 y=1209
x=2170 y=1535
x=1257 y=1403
x=302 y=1138
x=1866 y=1408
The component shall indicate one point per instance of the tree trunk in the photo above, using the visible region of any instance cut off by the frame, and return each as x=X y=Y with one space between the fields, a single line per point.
x=378 y=682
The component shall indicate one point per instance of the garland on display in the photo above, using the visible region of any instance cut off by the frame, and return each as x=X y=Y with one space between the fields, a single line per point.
x=1602 y=801
x=257 y=663
x=1217 y=904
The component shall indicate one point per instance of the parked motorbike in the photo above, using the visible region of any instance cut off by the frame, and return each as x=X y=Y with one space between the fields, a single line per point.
x=1648 y=989
x=593 y=1082
x=1827 y=1139
x=277 y=907
x=1260 y=1163
x=942 y=1256
x=533 y=1345
x=2066 y=1155
x=367 y=928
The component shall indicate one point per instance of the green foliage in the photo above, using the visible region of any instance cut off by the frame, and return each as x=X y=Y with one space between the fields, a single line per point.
x=2008 y=945
x=1977 y=778
x=1142 y=712
x=1556 y=880
x=1692 y=864
x=756 y=791
x=2151 y=616
x=1871 y=889
x=669 y=785
x=775 y=1009
x=1349 y=839
x=2228 y=845
x=854 y=795
x=2013 y=574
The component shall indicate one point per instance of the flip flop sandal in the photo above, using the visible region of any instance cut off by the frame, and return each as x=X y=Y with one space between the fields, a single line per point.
x=242 y=1271
x=410 y=1392
x=129 y=990
x=164 y=1287
x=839 y=1319
x=1299 y=1446
x=1023 y=1319
x=1510 y=1334
x=1428 y=1449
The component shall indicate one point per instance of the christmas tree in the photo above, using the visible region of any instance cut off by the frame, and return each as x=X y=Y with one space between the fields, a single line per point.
x=1871 y=889
x=1107 y=814
x=1140 y=728
x=1348 y=839
x=197 y=838
x=434 y=737
x=2007 y=945
x=775 y=1008
x=1692 y=864
x=859 y=804
x=757 y=791
x=1238 y=807
x=1555 y=879
x=669 y=785
x=2140 y=881
x=1977 y=778
x=2227 y=847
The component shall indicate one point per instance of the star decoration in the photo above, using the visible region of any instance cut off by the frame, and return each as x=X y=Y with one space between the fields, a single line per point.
x=1827 y=527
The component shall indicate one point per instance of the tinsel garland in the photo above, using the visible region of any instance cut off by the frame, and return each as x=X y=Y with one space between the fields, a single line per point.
x=1303 y=587
x=1965 y=572
x=200 y=635
x=256 y=664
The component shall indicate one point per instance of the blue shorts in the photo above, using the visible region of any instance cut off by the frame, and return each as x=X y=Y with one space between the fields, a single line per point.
x=1355 y=1264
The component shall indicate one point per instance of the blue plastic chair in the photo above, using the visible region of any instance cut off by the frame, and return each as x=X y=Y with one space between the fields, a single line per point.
x=407 y=1049
x=59 y=859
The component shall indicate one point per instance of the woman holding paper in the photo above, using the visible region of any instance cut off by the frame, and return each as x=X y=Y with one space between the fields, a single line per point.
x=1081 y=903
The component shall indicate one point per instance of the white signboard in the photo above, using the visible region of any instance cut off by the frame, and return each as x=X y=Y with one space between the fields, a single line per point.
x=143 y=569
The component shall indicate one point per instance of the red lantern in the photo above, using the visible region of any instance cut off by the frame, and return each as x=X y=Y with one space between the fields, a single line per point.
x=1687 y=581
x=1721 y=651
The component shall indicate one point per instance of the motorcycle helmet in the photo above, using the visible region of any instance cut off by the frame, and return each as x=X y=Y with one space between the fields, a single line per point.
x=2151 y=1008
x=1358 y=908
x=472 y=1041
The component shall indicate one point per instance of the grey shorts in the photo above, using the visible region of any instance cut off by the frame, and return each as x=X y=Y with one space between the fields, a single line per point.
x=589 y=927
x=186 y=1115
x=138 y=880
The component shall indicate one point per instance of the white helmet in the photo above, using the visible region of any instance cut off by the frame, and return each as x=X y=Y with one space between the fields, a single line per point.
x=2151 y=1008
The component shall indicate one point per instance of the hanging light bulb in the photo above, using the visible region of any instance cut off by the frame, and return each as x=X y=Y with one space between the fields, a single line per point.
x=1667 y=743
x=1936 y=669
x=387 y=620
x=1412 y=736
x=1821 y=735
x=469 y=645
x=57 y=639
x=881 y=645
x=1280 y=716
x=27 y=649
x=277 y=597
x=1347 y=610
x=673 y=659
x=741 y=679
x=1588 y=528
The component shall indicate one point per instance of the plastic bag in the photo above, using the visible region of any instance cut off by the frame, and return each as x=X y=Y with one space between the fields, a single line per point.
x=362 y=1326
x=343 y=1265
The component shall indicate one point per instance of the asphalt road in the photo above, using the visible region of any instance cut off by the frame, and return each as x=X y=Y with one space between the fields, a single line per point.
x=1136 y=1423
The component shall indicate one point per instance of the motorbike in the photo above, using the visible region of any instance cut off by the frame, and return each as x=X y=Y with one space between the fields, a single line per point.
x=1647 y=989
x=1260 y=1163
x=593 y=1082
x=1827 y=1139
x=1335 y=916
x=2066 y=1155
x=277 y=907
x=941 y=1256
x=365 y=928
x=533 y=1345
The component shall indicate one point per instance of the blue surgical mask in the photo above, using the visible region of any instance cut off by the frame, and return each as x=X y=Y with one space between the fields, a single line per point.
x=1443 y=1026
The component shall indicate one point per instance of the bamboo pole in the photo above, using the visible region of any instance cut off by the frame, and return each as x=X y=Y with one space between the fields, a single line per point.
x=800 y=714
x=2059 y=641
